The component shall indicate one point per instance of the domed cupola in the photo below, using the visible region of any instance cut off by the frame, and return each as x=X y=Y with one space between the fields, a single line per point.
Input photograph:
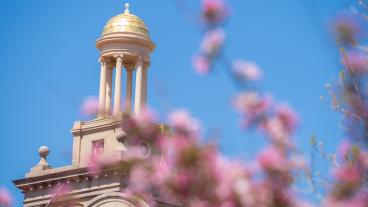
x=125 y=23
x=125 y=43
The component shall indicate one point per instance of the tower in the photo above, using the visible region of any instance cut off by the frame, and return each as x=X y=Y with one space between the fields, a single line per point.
x=125 y=41
x=125 y=46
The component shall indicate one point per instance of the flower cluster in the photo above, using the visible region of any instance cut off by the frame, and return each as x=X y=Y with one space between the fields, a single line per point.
x=60 y=195
x=184 y=170
x=90 y=106
x=277 y=121
x=211 y=46
x=246 y=71
x=182 y=122
x=211 y=49
x=356 y=62
x=349 y=92
x=348 y=27
x=196 y=174
x=349 y=188
x=252 y=106
x=349 y=97
x=6 y=200
x=214 y=11
x=257 y=110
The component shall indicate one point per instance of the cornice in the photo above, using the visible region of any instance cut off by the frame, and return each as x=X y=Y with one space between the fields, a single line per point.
x=85 y=127
x=65 y=175
x=126 y=39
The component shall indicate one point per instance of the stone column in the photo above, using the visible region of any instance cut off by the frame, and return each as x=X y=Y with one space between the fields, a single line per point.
x=129 y=86
x=117 y=92
x=138 y=86
x=102 y=93
x=144 y=86
x=108 y=89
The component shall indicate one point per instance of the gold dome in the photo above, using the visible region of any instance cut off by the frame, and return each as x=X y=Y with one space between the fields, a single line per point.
x=126 y=22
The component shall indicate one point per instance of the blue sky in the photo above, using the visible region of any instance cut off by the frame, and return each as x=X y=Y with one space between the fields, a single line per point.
x=49 y=65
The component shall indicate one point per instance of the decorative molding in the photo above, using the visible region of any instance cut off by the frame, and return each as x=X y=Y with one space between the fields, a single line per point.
x=140 y=61
x=119 y=55
x=133 y=38
x=128 y=200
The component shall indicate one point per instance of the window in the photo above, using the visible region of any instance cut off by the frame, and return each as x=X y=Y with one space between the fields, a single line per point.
x=98 y=147
x=144 y=149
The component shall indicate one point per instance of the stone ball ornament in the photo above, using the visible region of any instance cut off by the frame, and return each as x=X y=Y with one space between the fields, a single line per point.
x=121 y=136
x=43 y=151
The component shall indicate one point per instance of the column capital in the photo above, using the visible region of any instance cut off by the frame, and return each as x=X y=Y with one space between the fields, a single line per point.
x=146 y=64
x=119 y=55
x=119 y=61
x=140 y=60
x=129 y=67
x=103 y=59
x=110 y=65
x=144 y=61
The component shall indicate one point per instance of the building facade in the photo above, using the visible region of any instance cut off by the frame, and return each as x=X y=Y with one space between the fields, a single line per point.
x=125 y=46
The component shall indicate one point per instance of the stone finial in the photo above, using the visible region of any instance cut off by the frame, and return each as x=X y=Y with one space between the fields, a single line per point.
x=127 y=8
x=43 y=151
x=121 y=137
x=42 y=165
x=121 y=148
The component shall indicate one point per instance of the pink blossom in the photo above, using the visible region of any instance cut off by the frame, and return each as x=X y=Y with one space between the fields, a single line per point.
x=212 y=42
x=181 y=142
x=359 y=200
x=97 y=159
x=199 y=203
x=228 y=204
x=90 y=106
x=251 y=104
x=348 y=174
x=236 y=178
x=96 y=162
x=364 y=159
x=182 y=180
x=344 y=148
x=183 y=120
x=356 y=62
x=348 y=27
x=6 y=200
x=61 y=190
x=135 y=153
x=303 y=204
x=201 y=65
x=60 y=194
x=214 y=11
x=139 y=180
x=161 y=170
x=281 y=125
x=273 y=159
x=287 y=116
x=274 y=128
x=146 y=116
x=247 y=70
